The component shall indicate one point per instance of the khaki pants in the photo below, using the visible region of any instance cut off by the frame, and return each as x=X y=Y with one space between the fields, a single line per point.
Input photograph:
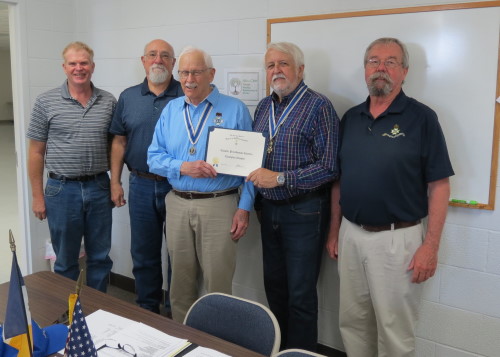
x=378 y=302
x=199 y=244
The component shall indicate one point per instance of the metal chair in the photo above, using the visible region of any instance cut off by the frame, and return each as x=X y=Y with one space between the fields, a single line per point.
x=240 y=321
x=294 y=352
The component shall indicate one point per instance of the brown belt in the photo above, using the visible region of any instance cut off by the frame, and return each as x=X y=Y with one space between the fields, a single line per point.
x=388 y=227
x=149 y=175
x=84 y=178
x=199 y=195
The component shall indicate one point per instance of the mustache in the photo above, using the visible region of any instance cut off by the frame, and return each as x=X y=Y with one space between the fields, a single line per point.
x=380 y=75
x=279 y=75
x=191 y=85
x=158 y=66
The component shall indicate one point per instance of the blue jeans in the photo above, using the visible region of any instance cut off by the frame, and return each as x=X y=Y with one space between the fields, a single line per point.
x=293 y=237
x=75 y=210
x=146 y=201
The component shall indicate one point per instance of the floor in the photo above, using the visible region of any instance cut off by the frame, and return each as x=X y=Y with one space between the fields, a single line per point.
x=9 y=218
x=128 y=296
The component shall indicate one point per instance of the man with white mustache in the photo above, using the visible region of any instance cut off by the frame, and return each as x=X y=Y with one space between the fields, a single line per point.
x=137 y=112
x=395 y=173
x=207 y=213
x=300 y=163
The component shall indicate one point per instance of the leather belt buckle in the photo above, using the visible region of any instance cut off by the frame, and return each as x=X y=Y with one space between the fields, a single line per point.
x=84 y=178
x=149 y=175
x=388 y=227
x=188 y=195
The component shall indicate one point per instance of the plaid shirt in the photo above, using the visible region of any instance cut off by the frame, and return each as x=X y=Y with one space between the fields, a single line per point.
x=306 y=145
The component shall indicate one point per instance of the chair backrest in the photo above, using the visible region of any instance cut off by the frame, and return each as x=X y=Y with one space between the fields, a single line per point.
x=296 y=353
x=240 y=321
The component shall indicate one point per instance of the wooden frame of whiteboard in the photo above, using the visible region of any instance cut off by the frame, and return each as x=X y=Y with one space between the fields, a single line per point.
x=460 y=6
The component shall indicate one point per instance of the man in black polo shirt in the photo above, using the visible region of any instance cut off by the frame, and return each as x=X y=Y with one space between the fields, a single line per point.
x=395 y=172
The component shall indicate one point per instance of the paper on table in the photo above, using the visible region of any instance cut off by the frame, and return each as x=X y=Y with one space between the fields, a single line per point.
x=204 y=352
x=145 y=340
x=102 y=325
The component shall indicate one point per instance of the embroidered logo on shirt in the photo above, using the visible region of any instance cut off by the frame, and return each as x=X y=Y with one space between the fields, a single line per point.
x=218 y=119
x=395 y=132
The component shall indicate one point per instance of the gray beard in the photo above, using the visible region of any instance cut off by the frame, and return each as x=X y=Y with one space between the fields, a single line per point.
x=158 y=77
x=379 y=91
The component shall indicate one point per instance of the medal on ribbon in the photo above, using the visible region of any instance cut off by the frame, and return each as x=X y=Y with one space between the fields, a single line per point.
x=218 y=119
x=275 y=126
x=194 y=133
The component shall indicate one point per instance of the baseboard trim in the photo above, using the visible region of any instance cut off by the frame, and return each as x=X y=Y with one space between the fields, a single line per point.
x=329 y=351
x=128 y=284
x=122 y=282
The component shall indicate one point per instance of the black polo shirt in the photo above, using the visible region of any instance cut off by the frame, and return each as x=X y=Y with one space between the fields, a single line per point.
x=386 y=163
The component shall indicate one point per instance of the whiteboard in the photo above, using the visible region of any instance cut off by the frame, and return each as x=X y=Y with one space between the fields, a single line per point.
x=453 y=69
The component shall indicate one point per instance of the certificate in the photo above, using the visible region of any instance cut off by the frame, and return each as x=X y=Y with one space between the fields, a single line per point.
x=235 y=152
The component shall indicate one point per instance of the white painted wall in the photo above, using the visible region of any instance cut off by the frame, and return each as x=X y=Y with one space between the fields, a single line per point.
x=5 y=87
x=460 y=314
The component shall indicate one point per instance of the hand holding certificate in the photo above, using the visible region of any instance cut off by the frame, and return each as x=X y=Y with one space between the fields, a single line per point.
x=235 y=152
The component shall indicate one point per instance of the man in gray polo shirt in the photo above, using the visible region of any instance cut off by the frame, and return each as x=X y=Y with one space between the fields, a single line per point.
x=69 y=133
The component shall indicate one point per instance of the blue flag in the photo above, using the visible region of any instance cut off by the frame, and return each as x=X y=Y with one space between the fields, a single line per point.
x=79 y=342
x=17 y=316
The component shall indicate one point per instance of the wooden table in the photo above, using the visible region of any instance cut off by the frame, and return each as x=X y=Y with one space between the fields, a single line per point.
x=48 y=298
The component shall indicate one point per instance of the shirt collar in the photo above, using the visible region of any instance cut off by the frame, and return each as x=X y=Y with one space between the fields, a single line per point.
x=397 y=105
x=287 y=98
x=213 y=97
x=169 y=92
x=65 y=90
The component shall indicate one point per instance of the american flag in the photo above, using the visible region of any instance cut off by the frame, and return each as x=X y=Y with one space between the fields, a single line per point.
x=79 y=342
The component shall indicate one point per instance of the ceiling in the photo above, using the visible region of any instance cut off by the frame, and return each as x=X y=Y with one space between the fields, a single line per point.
x=4 y=26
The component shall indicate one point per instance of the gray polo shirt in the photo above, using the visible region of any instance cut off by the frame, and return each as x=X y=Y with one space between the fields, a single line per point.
x=77 y=137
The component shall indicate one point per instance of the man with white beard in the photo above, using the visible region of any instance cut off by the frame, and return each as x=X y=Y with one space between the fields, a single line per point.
x=134 y=120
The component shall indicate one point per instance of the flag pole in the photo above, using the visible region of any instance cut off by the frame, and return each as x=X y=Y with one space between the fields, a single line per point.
x=79 y=282
x=12 y=243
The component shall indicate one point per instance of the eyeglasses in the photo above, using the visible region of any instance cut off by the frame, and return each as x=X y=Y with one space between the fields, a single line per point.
x=196 y=72
x=163 y=56
x=374 y=63
x=117 y=346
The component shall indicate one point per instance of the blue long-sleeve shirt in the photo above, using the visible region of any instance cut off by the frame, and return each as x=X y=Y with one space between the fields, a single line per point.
x=306 y=145
x=171 y=145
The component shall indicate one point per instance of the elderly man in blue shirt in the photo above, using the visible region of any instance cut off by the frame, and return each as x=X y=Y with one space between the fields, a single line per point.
x=206 y=215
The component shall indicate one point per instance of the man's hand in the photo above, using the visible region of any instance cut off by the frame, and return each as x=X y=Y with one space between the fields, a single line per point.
x=332 y=244
x=198 y=169
x=240 y=224
x=423 y=263
x=263 y=178
x=39 y=208
x=117 y=195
